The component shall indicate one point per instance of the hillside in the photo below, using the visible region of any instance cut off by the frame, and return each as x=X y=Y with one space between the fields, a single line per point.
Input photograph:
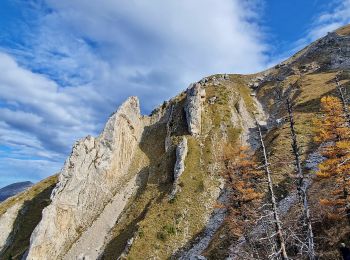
x=13 y=189
x=151 y=187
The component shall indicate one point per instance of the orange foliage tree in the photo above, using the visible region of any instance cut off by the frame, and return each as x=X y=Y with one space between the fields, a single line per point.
x=334 y=132
x=242 y=177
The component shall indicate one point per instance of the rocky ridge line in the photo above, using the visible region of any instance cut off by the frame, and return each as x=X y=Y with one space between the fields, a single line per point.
x=87 y=182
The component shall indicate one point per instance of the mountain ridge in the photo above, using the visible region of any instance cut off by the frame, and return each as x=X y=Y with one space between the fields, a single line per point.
x=119 y=183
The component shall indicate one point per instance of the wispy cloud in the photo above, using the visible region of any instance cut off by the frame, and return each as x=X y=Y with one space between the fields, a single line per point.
x=328 y=21
x=335 y=14
x=81 y=59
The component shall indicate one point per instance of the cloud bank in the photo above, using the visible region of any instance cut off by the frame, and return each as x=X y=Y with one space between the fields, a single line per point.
x=81 y=59
x=78 y=60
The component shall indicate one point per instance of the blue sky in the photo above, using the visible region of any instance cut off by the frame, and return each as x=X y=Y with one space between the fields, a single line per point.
x=66 y=65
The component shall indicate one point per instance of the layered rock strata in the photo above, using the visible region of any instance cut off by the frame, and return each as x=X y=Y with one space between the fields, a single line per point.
x=88 y=181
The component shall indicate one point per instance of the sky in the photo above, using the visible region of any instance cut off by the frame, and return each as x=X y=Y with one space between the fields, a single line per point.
x=66 y=65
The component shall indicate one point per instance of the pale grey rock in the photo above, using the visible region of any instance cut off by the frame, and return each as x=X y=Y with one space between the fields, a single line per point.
x=89 y=179
x=212 y=100
x=7 y=221
x=203 y=81
x=257 y=81
x=181 y=153
x=315 y=158
x=334 y=47
x=89 y=248
x=193 y=108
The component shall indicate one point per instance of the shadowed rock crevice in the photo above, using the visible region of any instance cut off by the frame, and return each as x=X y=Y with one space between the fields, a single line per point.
x=154 y=184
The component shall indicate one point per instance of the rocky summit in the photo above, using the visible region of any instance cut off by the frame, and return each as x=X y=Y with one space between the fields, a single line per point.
x=152 y=187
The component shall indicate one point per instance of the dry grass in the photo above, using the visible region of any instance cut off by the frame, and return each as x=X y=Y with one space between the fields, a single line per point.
x=28 y=194
x=345 y=30
x=34 y=201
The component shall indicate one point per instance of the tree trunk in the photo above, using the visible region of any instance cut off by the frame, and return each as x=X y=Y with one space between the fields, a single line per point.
x=278 y=226
x=343 y=100
x=301 y=187
x=347 y=116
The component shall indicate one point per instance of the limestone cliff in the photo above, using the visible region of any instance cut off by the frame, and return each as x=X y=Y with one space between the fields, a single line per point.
x=92 y=175
x=193 y=108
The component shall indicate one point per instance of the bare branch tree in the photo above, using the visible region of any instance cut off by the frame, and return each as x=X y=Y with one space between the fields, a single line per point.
x=301 y=185
x=278 y=227
x=343 y=99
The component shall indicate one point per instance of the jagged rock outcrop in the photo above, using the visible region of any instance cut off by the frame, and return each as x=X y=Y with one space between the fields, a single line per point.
x=181 y=153
x=332 y=51
x=89 y=179
x=193 y=108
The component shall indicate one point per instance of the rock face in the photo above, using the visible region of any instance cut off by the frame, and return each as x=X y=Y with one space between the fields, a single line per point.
x=334 y=48
x=6 y=223
x=89 y=179
x=193 y=108
x=87 y=248
x=181 y=153
x=13 y=189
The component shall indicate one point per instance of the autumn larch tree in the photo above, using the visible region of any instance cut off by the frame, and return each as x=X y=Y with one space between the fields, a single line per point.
x=242 y=177
x=334 y=133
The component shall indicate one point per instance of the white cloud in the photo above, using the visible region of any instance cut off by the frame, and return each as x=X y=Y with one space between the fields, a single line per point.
x=85 y=57
x=135 y=47
x=36 y=105
x=331 y=20
x=336 y=15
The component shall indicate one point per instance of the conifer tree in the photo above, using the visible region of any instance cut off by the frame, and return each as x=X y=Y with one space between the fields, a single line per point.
x=334 y=132
x=242 y=177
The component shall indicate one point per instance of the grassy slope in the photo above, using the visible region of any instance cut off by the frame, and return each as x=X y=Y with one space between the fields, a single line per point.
x=307 y=89
x=34 y=200
x=161 y=226
x=345 y=30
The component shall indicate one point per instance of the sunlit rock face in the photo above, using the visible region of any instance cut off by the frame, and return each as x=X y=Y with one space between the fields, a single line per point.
x=193 y=108
x=88 y=180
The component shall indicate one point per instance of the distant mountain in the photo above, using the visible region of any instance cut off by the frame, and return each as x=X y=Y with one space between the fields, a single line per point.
x=13 y=189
